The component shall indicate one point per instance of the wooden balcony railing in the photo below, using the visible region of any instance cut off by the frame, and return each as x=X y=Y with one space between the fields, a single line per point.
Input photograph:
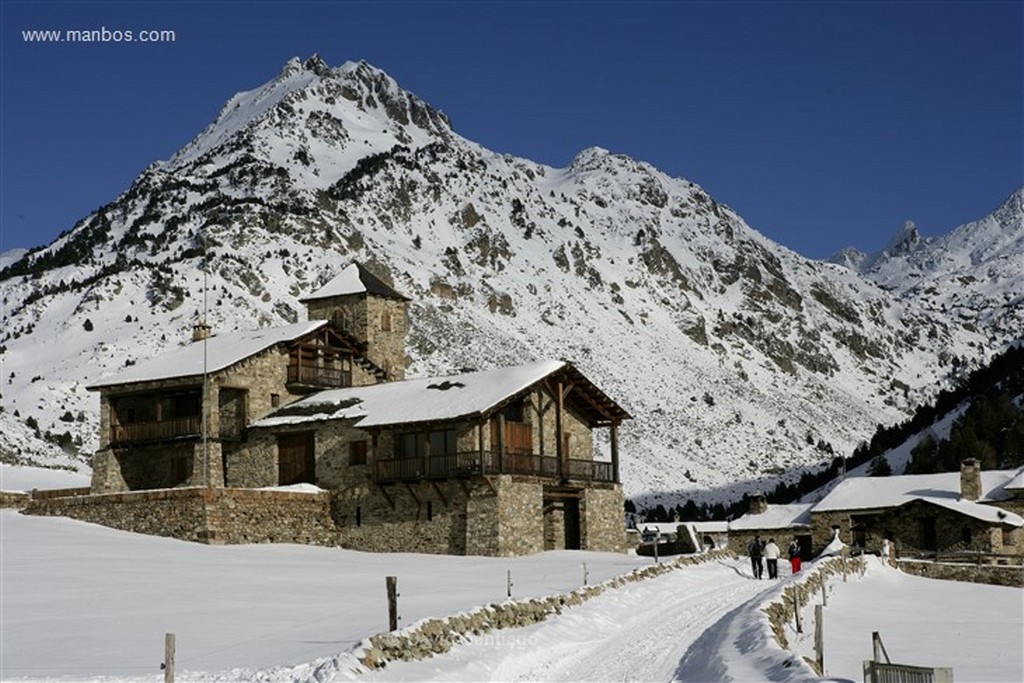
x=486 y=462
x=140 y=432
x=312 y=375
x=134 y=432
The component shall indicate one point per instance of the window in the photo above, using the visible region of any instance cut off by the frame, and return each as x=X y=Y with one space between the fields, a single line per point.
x=965 y=535
x=275 y=400
x=430 y=510
x=357 y=453
x=515 y=412
x=414 y=444
x=385 y=321
x=1009 y=536
x=359 y=516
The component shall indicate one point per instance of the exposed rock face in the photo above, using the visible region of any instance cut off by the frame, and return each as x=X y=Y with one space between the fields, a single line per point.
x=657 y=291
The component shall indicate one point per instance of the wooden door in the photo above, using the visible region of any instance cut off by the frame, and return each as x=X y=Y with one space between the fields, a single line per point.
x=296 y=459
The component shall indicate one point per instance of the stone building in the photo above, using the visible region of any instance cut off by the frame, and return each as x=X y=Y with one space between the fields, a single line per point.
x=784 y=523
x=921 y=514
x=498 y=462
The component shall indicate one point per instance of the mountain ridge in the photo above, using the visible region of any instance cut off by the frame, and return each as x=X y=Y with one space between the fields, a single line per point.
x=741 y=359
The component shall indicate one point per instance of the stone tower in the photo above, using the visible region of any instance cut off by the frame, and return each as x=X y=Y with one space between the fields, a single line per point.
x=368 y=309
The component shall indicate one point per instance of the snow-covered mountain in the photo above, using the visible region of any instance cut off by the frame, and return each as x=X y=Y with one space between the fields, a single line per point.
x=739 y=359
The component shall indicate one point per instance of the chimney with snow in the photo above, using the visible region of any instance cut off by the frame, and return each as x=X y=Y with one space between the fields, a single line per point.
x=758 y=504
x=970 y=479
x=200 y=331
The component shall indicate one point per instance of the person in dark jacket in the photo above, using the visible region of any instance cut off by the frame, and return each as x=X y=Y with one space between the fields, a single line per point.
x=754 y=550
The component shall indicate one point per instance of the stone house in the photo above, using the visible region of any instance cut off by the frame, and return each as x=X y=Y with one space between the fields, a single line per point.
x=496 y=462
x=784 y=523
x=921 y=514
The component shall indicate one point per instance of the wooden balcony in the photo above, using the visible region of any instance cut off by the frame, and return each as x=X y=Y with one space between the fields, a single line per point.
x=318 y=377
x=463 y=465
x=167 y=430
x=136 y=432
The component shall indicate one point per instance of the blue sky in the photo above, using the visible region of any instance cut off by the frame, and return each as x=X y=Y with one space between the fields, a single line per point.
x=824 y=124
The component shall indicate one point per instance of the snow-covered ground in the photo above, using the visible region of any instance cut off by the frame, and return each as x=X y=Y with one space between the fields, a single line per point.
x=82 y=602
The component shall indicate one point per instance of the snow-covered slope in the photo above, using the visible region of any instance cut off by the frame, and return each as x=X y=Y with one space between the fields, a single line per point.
x=739 y=358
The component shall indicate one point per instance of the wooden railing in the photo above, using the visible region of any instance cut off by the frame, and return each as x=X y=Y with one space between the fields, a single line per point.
x=155 y=431
x=486 y=462
x=319 y=376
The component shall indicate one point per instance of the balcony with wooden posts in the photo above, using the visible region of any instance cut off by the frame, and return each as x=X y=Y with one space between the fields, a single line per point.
x=171 y=416
x=473 y=463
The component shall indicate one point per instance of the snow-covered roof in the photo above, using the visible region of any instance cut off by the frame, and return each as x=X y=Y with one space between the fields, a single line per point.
x=775 y=517
x=354 y=279
x=1017 y=483
x=863 y=493
x=986 y=513
x=222 y=351
x=426 y=399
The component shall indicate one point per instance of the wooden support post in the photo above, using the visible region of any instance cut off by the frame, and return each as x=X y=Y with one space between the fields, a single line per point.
x=168 y=658
x=501 y=443
x=615 y=452
x=796 y=609
x=559 y=433
x=819 y=639
x=392 y=586
x=480 y=440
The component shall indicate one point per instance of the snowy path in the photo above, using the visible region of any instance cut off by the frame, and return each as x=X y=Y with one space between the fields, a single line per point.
x=636 y=633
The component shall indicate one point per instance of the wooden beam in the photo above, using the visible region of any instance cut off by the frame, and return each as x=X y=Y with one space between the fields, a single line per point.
x=615 y=452
x=387 y=497
x=440 y=493
x=559 y=408
x=501 y=443
x=412 y=493
x=487 y=480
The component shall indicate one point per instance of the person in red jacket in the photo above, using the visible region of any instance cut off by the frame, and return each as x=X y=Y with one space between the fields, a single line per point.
x=794 y=556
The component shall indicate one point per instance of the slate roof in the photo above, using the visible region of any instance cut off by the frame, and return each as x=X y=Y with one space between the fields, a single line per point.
x=775 y=517
x=435 y=399
x=355 y=279
x=222 y=351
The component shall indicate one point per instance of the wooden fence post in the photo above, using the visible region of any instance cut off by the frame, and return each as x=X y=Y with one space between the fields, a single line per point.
x=819 y=639
x=844 y=565
x=586 y=574
x=392 y=586
x=824 y=595
x=168 y=658
x=508 y=583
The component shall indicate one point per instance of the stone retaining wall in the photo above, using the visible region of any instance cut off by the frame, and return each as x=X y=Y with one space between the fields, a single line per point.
x=204 y=515
x=991 y=574
x=780 y=612
x=13 y=499
x=437 y=635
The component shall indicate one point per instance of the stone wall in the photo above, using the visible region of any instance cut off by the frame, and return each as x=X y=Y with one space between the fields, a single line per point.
x=973 y=573
x=13 y=499
x=433 y=636
x=204 y=515
x=602 y=518
x=520 y=515
x=380 y=322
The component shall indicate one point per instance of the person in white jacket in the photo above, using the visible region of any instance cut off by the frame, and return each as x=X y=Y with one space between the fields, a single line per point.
x=771 y=556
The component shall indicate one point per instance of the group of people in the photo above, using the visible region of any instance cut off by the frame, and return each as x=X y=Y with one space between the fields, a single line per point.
x=770 y=553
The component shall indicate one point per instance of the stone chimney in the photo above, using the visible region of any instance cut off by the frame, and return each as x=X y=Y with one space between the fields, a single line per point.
x=970 y=479
x=200 y=331
x=758 y=504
